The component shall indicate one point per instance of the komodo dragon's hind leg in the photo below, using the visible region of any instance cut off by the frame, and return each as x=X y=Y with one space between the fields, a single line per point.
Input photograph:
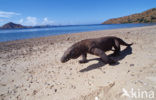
x=102 y=55
x=116 y=47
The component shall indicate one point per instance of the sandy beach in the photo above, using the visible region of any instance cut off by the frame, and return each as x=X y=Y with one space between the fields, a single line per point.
x=31 y=69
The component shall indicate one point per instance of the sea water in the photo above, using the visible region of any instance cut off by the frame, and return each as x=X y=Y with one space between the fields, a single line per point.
x=19 y=34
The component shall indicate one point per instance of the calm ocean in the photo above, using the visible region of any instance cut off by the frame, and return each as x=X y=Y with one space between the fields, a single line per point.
x=18 y=34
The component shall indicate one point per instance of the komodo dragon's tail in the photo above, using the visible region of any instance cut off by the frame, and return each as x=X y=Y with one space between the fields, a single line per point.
x=123 y=42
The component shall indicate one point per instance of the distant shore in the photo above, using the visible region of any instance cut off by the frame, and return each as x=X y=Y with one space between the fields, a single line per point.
x=17 y=44
x=148 y=16
x=20 y=34
x=30 y=69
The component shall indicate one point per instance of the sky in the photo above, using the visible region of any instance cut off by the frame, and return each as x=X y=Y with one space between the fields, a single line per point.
x=68 y=12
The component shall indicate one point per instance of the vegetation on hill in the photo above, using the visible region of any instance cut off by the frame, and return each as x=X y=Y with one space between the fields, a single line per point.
x=148 y=16
x=12 y=25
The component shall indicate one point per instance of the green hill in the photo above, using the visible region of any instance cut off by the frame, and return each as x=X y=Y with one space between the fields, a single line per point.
x=148 y=16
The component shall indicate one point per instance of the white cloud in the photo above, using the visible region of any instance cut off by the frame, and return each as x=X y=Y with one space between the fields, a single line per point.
x=1 y=20
x=21 y=21
x=32 y=21
x=5 y=14
x=29 y=21
x=45 y=19
x=47 y=22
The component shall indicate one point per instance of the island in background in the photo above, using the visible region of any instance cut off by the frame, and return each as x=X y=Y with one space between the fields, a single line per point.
x=148 y=16
x=12 y=25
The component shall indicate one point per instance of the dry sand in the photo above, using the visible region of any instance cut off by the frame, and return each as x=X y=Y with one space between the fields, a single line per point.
x=31 y=69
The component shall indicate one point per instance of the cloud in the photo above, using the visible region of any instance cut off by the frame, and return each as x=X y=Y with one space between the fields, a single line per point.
x=47 y=22
x=5 y=14
x=21 y=21
x=32 y=21
x=1 y=20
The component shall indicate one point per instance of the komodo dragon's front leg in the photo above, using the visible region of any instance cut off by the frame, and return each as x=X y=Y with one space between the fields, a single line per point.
x=84 y=58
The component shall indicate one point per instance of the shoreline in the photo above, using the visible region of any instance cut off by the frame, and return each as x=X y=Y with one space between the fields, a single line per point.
x=56 y=38
x=31 y=69
x=152 y=24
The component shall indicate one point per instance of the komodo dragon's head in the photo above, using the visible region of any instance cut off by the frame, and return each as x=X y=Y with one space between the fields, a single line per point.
x=72 y=52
